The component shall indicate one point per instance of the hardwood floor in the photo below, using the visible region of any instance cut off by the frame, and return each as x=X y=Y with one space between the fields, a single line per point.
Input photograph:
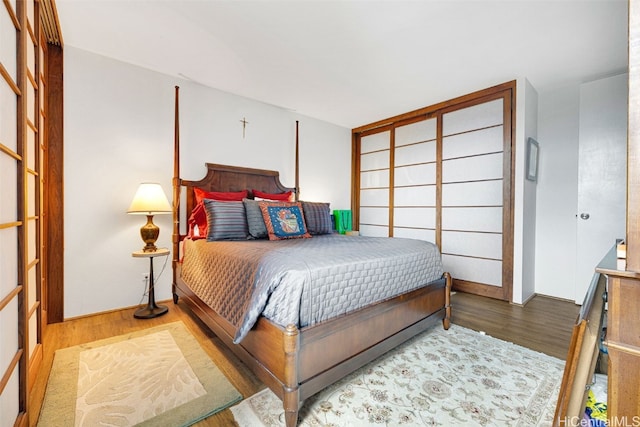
x=543 y=324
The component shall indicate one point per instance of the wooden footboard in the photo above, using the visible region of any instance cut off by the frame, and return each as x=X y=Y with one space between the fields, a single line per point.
x=297 y=363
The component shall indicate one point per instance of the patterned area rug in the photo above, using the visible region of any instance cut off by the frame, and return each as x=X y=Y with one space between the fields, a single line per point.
x=158 y=376
x=457 y=377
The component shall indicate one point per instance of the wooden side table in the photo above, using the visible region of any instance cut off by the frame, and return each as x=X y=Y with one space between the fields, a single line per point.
x=152 y=309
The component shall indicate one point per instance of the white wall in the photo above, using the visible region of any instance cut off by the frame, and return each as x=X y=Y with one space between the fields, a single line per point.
x=119 y=132
x=524 y=241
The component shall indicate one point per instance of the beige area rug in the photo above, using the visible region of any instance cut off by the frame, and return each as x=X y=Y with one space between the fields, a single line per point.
x=457 y=377
x=159 y=376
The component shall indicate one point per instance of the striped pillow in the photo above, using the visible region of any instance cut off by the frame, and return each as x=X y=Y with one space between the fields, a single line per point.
x=317 y=217
x=226 y=220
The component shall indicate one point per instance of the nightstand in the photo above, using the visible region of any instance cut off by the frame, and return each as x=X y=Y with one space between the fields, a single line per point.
x=151 y=310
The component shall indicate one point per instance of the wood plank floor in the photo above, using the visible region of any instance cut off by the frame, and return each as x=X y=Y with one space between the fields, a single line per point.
x=543 y=324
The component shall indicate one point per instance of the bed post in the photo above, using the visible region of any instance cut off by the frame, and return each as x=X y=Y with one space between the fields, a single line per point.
x=297 y=164
x=176 y=196
x=446 y=322
x=291 y=392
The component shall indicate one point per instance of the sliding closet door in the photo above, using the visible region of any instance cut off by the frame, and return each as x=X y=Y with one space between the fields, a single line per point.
x=375 y=176
x=21 y=165
x=475 y=162
x=415 y=180
x=12 y=263
x=443 y=174
x=397 y=181
x=33 y=191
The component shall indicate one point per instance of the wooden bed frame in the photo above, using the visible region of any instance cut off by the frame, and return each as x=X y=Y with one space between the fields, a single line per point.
x=297 y=363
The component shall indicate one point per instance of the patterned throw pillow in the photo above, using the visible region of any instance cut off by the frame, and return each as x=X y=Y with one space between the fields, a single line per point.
x=317 y=216
x=284 y=220
x=226 y=220
x=255 y=222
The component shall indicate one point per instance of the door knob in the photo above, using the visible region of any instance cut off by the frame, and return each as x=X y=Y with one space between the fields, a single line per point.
x=584 y=216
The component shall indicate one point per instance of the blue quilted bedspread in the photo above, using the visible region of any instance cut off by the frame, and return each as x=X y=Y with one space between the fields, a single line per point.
x=304 y=281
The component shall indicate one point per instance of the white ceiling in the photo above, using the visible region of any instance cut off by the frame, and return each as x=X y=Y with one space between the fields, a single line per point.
x=355 y=62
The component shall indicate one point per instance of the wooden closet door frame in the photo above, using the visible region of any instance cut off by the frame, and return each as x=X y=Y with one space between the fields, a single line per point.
x=54 y=188
x=53 y=164
x=505 y=91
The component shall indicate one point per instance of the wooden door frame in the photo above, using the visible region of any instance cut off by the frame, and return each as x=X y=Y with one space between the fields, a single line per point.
x=54 y=189
x=633 y=145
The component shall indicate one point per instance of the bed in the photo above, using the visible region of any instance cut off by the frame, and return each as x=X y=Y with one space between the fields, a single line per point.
x=297 y=359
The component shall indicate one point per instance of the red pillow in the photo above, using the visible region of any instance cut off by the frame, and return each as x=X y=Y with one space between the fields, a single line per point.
x=233 y=196
x=198 y=226
x=287 y=197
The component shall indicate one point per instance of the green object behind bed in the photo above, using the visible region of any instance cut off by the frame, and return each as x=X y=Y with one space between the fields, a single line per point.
x=343 y=220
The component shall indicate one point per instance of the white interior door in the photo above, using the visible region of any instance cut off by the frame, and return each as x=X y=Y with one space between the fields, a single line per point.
x=602 y=171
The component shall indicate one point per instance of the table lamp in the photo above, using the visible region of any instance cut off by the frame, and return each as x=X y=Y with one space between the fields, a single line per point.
x=149 y=200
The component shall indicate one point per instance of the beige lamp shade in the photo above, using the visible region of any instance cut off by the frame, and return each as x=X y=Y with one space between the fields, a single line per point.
x=149 y=200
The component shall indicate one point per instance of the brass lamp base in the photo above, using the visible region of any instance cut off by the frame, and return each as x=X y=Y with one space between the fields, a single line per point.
x=149 y=233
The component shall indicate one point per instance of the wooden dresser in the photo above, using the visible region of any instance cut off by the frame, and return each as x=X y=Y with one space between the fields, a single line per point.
x=620 y=289
x=623 y=342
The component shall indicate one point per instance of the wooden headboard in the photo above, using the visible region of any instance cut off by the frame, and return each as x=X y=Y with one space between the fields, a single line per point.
x=220 y=178
x=234 y=178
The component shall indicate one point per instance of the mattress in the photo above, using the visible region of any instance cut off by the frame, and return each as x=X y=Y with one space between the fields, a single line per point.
x=304 y=281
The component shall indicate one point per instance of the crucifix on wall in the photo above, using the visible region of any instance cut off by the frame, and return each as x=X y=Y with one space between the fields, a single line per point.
x=244 y=125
